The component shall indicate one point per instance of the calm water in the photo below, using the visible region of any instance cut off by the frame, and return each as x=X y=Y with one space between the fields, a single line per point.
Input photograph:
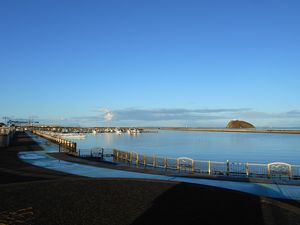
x=237 y=147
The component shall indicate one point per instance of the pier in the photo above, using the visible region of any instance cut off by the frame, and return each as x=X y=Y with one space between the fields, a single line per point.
x=64 y=145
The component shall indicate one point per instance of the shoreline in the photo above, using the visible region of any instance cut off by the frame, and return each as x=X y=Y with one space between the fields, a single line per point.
x=106 y=201
x=271 y=131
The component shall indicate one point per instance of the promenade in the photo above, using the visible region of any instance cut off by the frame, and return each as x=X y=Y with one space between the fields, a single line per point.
x=87 y=169
x=59 y=192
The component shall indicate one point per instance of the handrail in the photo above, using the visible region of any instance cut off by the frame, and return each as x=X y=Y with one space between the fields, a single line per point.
x=188 y=165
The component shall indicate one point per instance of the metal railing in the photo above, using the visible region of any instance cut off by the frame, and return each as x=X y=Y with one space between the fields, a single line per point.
x=187 y=165
x=91 y=153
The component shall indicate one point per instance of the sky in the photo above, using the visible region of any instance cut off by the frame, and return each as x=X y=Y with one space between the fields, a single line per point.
x=151 y=62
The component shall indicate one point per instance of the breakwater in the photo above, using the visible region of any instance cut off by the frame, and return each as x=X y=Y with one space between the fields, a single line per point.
x=184 y=165
x=64 y=145
x=59 y=129
x=272 y=131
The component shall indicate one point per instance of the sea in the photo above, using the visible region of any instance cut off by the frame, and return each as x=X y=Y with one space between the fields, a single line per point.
x=214 y=146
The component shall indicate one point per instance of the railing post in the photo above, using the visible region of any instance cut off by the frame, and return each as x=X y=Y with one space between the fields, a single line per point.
x=178 y=164
x=200 y=167
x=209 y=167
x=227 y=168
x=102 y=153
x=137 y=160
x=145 y=160
x=268 y=171
x=290 y=173
x=193 y=166
x=166 y=163
x=130 y=159
x=154 y=160
x=247 y=169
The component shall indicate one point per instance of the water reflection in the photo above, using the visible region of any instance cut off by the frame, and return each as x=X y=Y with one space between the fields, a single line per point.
x=237 y=147
x=108 y=139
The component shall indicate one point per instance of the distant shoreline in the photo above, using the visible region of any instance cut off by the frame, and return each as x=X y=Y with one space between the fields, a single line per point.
x=273 y=131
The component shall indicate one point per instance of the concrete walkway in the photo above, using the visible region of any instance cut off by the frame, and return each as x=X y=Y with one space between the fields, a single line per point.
x=41 y=159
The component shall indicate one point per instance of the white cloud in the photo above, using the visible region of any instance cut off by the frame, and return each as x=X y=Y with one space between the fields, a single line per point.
x=172 y=114
x=107 y=114
x=182 y=117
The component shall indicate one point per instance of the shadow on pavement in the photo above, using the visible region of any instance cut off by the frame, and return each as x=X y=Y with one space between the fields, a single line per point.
x=188 y=204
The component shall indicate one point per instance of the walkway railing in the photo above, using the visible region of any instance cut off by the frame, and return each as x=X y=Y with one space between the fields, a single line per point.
x=187 y=165
x=68 y=146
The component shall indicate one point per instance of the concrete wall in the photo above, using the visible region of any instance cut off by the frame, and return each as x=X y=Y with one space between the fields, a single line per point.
x=6 y=136
x=4 y=140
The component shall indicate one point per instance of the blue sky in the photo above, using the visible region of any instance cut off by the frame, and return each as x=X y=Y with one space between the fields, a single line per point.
x=143 y=63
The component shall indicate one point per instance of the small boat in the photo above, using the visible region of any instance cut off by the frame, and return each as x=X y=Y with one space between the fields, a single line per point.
x=72 y=136
x=118 y=132
x=133 y=131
